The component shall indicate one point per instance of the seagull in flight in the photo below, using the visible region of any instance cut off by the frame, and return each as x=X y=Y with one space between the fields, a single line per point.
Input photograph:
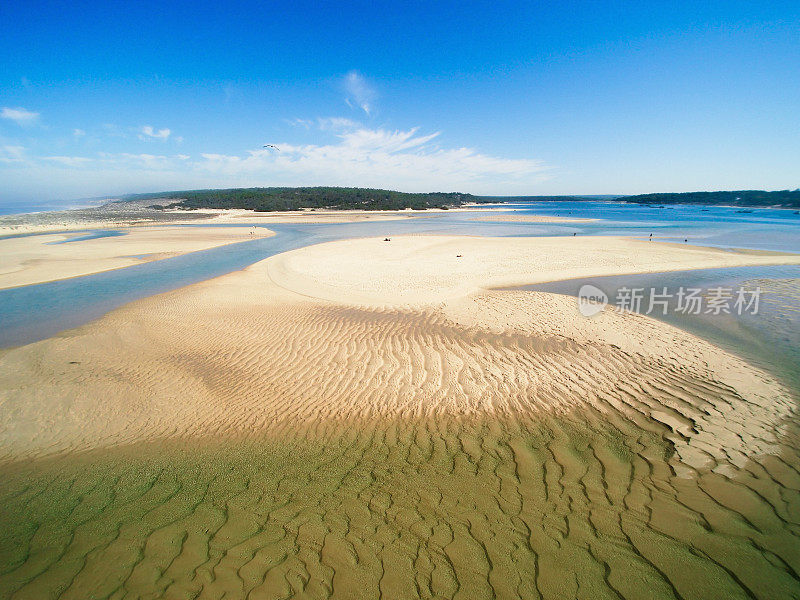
x=272 y=146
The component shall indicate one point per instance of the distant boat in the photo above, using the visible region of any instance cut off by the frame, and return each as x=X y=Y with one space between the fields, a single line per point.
x=746 y=210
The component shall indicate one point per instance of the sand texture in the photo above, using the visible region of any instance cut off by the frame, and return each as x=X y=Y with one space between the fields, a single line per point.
x=37 y=258
x=243 y=438
x=417 y=270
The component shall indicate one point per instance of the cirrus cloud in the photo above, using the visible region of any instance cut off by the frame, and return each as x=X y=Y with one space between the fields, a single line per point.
x=359 y=93
x=19 y=115
x=12 y=154
x=405 y=160
x=148 y=132
x=377 y=158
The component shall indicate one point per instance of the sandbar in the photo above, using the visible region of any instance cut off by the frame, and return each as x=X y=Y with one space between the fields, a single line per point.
x=26 y=260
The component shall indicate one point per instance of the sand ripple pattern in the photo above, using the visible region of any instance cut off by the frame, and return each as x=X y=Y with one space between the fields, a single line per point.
x=317 y=451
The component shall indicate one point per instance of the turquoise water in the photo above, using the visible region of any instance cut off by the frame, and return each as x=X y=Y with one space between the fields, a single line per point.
x=92 y=235
x=39 y=311
x=763 y=229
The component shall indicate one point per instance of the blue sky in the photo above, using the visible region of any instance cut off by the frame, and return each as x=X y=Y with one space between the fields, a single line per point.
x=491 y=98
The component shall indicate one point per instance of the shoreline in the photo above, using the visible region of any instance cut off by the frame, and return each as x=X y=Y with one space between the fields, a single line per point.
x=46 y=257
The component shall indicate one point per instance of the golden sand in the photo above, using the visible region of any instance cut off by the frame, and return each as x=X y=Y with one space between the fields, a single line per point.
x=38 y=258
x=372 y=425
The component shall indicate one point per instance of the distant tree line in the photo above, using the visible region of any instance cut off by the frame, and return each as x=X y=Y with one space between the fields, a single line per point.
x=784 y=198
x=284 y=198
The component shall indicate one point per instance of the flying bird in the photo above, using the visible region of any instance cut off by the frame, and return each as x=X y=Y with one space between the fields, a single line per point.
x=272 y=146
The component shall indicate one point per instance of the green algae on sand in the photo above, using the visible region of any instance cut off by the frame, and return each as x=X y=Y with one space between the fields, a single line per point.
x=579 y=505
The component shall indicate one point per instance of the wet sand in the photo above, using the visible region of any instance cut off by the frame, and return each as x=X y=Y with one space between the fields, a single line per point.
x=362 y=427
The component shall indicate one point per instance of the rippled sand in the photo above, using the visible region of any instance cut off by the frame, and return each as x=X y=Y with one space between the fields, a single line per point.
x=238 y=438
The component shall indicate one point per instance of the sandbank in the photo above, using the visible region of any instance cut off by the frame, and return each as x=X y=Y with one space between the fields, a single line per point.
x=414 y=270
x=33 y=259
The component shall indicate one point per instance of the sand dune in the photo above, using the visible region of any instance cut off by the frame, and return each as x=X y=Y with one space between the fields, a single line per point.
x=458 y=443
x=37 y=258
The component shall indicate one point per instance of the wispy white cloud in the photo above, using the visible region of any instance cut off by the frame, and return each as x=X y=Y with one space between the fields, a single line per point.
x=122 y=161
x=230 y=91
x=359 y=93
x=148 y=132
x=398 y=159
x=145 y=161
x=304 y=123
x=78 y=132
x=375 y=158
x=325 y=123
x=19 y=115
x=69 y=161
x=12 y=154
x=336 y=123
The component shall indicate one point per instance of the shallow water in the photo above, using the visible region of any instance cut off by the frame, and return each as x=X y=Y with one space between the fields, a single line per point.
x=580 y=506
x=92 y=235
x=763 y=229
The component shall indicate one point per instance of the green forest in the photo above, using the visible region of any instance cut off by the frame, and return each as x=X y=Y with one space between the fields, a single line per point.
x=285 y=198
x=785 y=198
